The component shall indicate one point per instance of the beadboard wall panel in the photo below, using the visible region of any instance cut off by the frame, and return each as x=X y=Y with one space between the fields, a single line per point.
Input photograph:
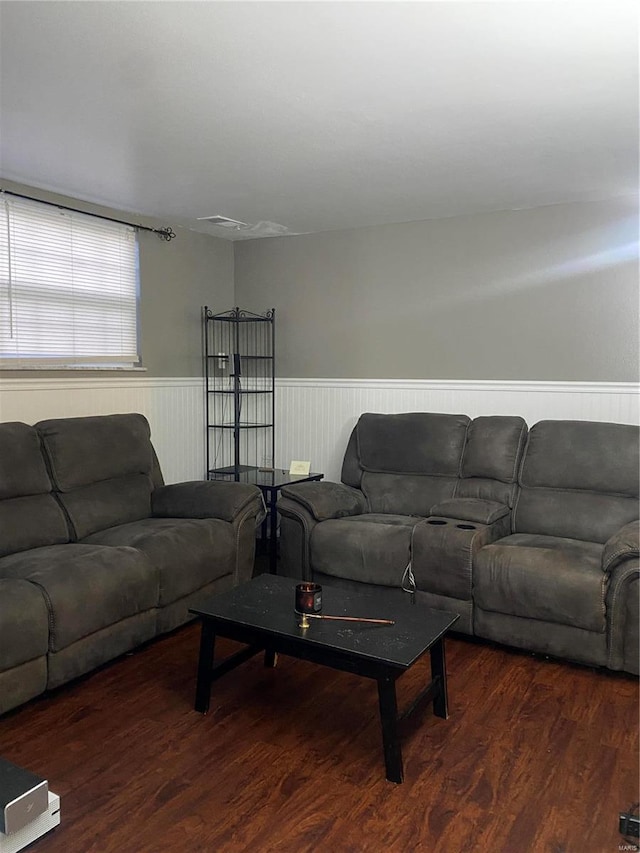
x=314 y=417
x=173 y=407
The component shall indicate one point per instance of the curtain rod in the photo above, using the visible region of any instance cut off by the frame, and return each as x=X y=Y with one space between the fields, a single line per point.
x=164 y=233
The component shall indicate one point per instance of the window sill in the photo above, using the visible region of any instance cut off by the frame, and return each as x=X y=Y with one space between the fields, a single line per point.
x=73 y=367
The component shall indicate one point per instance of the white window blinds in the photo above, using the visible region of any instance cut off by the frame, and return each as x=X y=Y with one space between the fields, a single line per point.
x=68 y=288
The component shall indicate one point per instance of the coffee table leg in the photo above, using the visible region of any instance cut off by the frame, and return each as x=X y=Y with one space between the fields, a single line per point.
x=439 y=677
x=389 y=721
x=205 y=666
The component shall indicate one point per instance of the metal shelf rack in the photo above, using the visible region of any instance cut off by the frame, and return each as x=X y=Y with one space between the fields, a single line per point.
x=239 y=357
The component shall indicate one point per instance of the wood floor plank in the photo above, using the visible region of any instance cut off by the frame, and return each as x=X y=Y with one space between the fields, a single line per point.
x=536 y=755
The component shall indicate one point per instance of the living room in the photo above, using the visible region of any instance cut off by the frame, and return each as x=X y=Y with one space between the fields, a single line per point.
x=440 y=202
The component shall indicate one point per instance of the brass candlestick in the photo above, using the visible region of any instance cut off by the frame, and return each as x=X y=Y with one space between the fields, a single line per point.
x=303 y=620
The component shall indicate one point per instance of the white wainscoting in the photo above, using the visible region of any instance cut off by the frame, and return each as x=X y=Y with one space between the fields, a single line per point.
x=314 y=417
x=173 y=406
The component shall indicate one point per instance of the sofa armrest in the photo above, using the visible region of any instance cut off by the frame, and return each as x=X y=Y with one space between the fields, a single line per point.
x=623 y=617
x=327 y=500
x=206 y=499
x=471 y=509
x=623 y=545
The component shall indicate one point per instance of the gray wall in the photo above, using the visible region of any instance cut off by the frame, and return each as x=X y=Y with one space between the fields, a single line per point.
x=176 y=279
x=196 y=270
x=544 y=294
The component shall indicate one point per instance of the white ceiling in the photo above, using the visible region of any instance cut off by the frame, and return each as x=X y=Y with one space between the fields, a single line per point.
x=300 y=117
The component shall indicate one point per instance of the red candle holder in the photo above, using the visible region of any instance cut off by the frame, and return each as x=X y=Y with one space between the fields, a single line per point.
x=308 y=598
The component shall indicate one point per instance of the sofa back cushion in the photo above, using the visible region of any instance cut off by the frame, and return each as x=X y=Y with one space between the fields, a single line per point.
x=101 y=468
x=404 y=463
x=579 y=479
x=492 y=457
x=30 y=517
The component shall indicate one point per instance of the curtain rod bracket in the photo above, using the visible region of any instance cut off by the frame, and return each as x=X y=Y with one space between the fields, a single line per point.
x=165 y=233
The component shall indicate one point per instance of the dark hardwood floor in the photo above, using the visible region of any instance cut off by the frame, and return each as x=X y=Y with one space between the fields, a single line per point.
x=536 y=756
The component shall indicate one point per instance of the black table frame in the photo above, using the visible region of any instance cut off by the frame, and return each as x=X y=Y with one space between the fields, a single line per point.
x=383 y=673
x=270 y=493
x=279 y=477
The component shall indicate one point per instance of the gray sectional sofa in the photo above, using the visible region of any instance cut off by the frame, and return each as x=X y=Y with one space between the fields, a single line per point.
x=530 y=535
x=97 y=555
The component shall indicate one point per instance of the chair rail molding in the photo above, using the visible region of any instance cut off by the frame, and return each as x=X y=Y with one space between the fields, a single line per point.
x=469 y=384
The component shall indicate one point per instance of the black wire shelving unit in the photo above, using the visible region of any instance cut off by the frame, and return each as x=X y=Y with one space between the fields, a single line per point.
x=239 y=371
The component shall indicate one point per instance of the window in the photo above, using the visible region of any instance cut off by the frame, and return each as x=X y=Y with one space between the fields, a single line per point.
x=68 y=288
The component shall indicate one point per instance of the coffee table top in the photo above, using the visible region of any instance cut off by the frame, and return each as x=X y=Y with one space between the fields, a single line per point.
x=266 y=604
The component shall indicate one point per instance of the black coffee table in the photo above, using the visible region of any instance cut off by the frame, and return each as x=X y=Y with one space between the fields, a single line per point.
x=261 y=614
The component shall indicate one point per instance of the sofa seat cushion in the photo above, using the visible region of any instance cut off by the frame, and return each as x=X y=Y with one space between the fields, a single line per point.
x=24 y=623
x=86 y=587
x=548 y=578
x=369 y=548
x=186 y=553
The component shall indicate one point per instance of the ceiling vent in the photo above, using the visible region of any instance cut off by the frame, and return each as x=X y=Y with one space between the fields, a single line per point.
x=224 y=221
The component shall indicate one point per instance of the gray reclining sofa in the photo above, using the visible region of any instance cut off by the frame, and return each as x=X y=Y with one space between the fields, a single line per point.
x=531 y=536
x=97 y=555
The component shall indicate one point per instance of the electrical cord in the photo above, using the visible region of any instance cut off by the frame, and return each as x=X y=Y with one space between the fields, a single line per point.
x=409 y=582
x=218 y=446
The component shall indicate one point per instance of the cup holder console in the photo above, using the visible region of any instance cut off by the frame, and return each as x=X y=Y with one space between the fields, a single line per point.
x=440 y=521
